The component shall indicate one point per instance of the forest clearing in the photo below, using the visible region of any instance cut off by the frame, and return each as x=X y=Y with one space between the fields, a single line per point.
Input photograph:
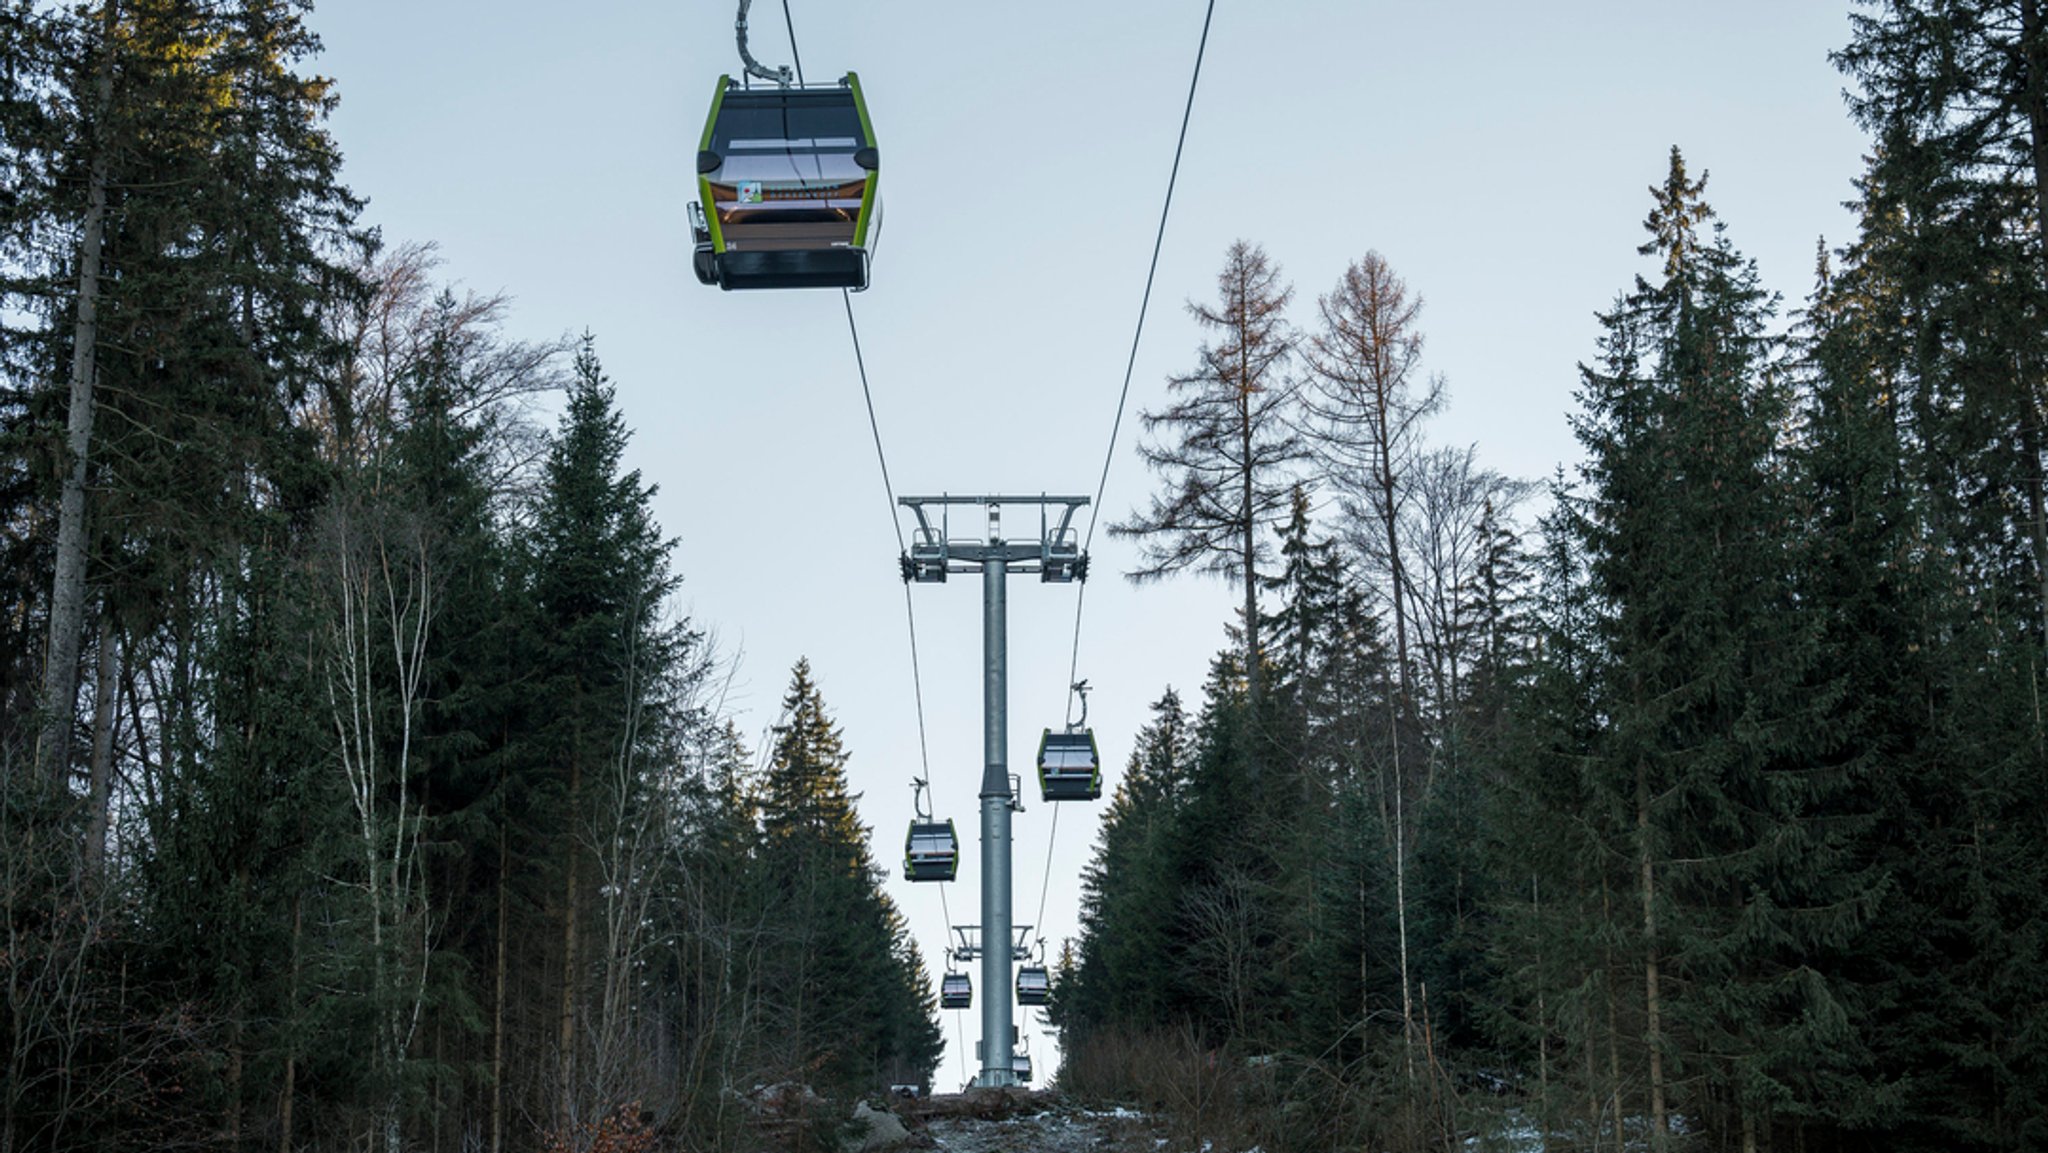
x=1599 y=710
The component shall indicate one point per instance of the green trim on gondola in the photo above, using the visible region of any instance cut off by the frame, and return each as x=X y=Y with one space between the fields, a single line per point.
x=910 y=862
x=704 y=179
x=867 y=196
x=764 y=261
x=1040 y=990
x=960 y=997
x=1094 y=754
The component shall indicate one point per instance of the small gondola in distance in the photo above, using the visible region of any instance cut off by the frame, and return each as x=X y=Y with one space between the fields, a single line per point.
x=931 y=851
x=786 y=179
x=956 y=991
x=1069 y=768
x=1034 y=985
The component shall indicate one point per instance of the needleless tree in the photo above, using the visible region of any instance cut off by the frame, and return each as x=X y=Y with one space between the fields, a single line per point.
x=1224 y=447
x=1365 y=405
x=1363 y=409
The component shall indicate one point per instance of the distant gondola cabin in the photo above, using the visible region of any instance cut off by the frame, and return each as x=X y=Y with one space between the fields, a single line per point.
x=931 y=851
x=956 y=991
x=786 y=177
x=1034 y=985
x=1068 y=767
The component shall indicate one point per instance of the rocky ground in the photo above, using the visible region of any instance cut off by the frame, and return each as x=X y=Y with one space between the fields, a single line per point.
x=996 y=1121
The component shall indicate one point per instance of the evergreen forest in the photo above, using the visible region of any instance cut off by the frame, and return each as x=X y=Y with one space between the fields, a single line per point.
x=365 y=785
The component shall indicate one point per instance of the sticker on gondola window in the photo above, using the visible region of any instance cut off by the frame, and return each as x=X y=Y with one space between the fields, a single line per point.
x=750 y=192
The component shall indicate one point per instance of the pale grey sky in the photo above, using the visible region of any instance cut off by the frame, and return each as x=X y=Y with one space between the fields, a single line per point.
x=1496 y=153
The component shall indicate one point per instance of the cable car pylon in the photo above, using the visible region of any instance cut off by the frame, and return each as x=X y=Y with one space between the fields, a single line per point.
x=1056 y=557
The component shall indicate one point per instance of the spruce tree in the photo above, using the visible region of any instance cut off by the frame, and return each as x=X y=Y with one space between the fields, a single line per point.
x=1931 y=633
x=1955 y=96
x=843 y=994
x=1711 y=774
x=28 y=67
x=601 y=653
x=1555 y=931
x=188 y=325
x=1128 y=892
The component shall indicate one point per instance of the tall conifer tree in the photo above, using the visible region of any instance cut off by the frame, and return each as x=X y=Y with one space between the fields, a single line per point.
x=1708 y=779
x=602 y=650
x=842 y=985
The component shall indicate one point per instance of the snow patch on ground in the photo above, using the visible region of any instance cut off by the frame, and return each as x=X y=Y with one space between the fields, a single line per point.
x=1049 y=1132
x=1061 y=1131
x=1516 y=1132
x=1052 y=1131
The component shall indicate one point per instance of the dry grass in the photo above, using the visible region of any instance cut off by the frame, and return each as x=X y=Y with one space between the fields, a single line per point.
x=1203 y=1096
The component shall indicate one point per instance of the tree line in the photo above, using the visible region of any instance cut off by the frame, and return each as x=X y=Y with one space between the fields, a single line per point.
x=360 y=784
x=1702 y=803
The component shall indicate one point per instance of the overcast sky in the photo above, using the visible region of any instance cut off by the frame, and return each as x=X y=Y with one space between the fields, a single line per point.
x=1496 y=153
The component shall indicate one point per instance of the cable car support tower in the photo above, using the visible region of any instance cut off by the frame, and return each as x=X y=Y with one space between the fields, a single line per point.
x=1056 y=556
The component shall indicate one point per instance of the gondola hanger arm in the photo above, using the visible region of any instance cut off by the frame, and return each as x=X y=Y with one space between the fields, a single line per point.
x=780 y=75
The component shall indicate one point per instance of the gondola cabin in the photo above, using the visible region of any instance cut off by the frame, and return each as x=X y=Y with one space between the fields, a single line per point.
x=1034 y=985
x=956 y=991
x=1020 y=1064
x=1068 y=768
x=786 y=178
x=931 y=851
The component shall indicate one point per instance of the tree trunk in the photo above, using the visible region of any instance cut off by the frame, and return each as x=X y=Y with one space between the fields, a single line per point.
x=1610 y=980
x=1595 y=1107
x=234 y=1079
x=1391 y=521
x=498 y=996
x=1254 y=674
x=102 y=750
x=1543 y=1097
x=1653 y=1008
x=571 y=915
x=2034 y=46
x=67 y=592
x=1364 y=968
x=288 y=1094
x=1401 y=916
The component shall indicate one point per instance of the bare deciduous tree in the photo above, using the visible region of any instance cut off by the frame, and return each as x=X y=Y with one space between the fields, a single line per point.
x=387 y=337
x=1446 y=539
x=382 y=600
x=1227 y=917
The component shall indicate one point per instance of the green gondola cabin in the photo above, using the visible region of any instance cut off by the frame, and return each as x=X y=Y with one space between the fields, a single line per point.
x=786 y=181
x=956 y=991
x=931 y=851
x=1068 y=767
x=1034 y=985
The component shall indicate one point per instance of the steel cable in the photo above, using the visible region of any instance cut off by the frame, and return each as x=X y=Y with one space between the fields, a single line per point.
x=1122 y=400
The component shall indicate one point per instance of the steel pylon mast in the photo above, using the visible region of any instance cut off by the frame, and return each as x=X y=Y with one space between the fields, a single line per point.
x=1055 y=555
